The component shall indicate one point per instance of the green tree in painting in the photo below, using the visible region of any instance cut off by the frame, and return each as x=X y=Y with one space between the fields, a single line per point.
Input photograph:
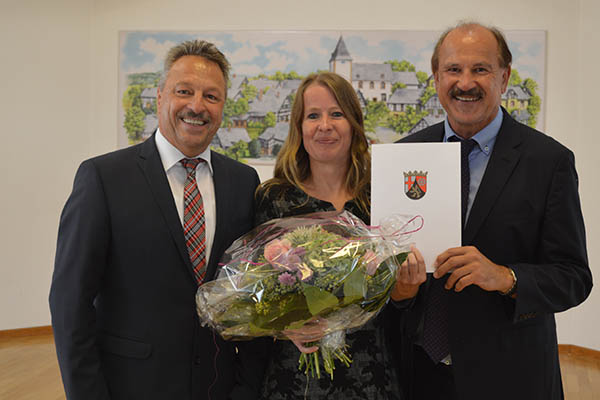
x=227 y=112
x=291 y=97
x=278 y=76
x=401 y=66
x=134 y=115
x=134 y=124
x=428 y=93
x=249 y=91
x=294 y=75
x=270 y=119
x=376 y=114
x=131 y=97
x=241 y=106
x=238 y=151
x=398 y=85
x=233 y=109
x=218 y=149
x=515 y=79
x=256 y=128
x=404 y=121
x=281 y=76
x=146 y=79
x=254 y=148
x=535 y=103
x=422 y=77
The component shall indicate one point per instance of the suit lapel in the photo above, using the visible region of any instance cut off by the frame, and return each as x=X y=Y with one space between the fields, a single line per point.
x=438 y=135
x=152 y=167
x=503 y=160
x=433 y=134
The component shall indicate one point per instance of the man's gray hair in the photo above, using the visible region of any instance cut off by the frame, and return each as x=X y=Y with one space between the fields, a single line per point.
x=199 y=48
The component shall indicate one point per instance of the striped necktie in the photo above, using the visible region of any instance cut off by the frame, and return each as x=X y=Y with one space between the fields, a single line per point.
x=193 y=219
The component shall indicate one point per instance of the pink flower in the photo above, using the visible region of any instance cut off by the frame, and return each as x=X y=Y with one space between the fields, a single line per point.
x=287 y=279
x=275 y=252
x=371 y=262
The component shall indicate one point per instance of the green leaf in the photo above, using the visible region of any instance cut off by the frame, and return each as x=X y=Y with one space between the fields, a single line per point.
x=239 y=313
x=355 y=286
x=279 y=315
x=318 y=299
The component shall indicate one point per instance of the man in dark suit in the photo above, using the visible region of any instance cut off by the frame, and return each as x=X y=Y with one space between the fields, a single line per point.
x=129 y=258
x=493 y=334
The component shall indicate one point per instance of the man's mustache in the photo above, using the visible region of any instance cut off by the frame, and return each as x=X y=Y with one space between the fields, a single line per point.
x=474 y=92
x=205 y=116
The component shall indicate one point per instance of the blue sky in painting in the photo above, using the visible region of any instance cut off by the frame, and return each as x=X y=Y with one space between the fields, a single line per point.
x=303 y=52
x=254 y=52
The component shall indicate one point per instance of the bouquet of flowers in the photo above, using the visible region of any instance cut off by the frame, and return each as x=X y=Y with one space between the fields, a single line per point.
x=289 y=272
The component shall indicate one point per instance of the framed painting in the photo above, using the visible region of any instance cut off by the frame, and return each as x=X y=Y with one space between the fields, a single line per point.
x=390 y=71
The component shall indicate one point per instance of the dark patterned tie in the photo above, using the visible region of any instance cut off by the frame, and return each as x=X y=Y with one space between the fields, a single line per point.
x=435 y=325
x=193 y=219
x=466 y=146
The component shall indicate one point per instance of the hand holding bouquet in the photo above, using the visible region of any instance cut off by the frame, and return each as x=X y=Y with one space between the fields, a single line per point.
x=303 y=277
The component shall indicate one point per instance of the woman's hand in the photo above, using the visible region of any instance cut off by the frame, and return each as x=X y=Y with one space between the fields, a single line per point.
x=410 y=276
x=312 y=331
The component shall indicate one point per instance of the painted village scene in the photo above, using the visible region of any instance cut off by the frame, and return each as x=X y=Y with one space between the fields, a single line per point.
x=396 y=94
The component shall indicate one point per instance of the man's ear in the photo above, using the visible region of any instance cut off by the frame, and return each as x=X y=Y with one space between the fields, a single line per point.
x=505 y=78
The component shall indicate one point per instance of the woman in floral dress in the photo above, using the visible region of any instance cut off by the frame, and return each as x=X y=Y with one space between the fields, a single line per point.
x=325 y=165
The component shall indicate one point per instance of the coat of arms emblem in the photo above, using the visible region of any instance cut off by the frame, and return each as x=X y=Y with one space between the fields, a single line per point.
x=415 y=184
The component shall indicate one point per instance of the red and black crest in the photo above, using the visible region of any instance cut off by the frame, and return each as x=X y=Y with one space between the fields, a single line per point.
x=415 y=184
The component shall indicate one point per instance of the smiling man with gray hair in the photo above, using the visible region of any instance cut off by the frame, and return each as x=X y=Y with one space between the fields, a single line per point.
x=141 y=230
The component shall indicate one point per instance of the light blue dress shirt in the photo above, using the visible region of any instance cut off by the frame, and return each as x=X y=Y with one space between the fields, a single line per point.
x=480 y=155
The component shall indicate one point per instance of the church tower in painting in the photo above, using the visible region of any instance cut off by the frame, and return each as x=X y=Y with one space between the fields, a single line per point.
x=341 y=61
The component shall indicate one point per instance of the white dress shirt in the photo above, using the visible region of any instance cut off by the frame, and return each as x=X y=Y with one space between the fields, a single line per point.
x=176 y=174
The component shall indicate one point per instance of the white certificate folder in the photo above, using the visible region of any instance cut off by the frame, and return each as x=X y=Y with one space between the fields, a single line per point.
x=419 y=179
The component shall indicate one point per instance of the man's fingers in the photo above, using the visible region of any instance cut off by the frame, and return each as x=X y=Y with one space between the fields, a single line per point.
x=464 y=281
x=456 y=276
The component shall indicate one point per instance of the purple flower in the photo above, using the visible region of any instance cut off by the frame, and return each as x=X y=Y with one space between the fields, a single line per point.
x=298 y=251
x=287 y=279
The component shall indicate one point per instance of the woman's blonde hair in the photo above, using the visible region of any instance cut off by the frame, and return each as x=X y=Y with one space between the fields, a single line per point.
x=292 y=166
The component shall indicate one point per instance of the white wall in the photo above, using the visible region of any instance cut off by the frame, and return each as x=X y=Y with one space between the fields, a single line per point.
x=45 y=131
x=82 y=109
x=580 y=326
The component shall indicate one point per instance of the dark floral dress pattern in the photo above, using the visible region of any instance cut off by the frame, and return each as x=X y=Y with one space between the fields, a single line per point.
x=371 y=375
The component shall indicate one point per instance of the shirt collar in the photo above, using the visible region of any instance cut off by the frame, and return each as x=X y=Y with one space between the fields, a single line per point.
x=485 y=138
x=171 y=155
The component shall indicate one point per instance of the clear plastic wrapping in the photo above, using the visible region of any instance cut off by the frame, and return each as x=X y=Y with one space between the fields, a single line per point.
x=327 y=270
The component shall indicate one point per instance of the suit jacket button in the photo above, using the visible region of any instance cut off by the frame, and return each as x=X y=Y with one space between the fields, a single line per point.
x=198 y=361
